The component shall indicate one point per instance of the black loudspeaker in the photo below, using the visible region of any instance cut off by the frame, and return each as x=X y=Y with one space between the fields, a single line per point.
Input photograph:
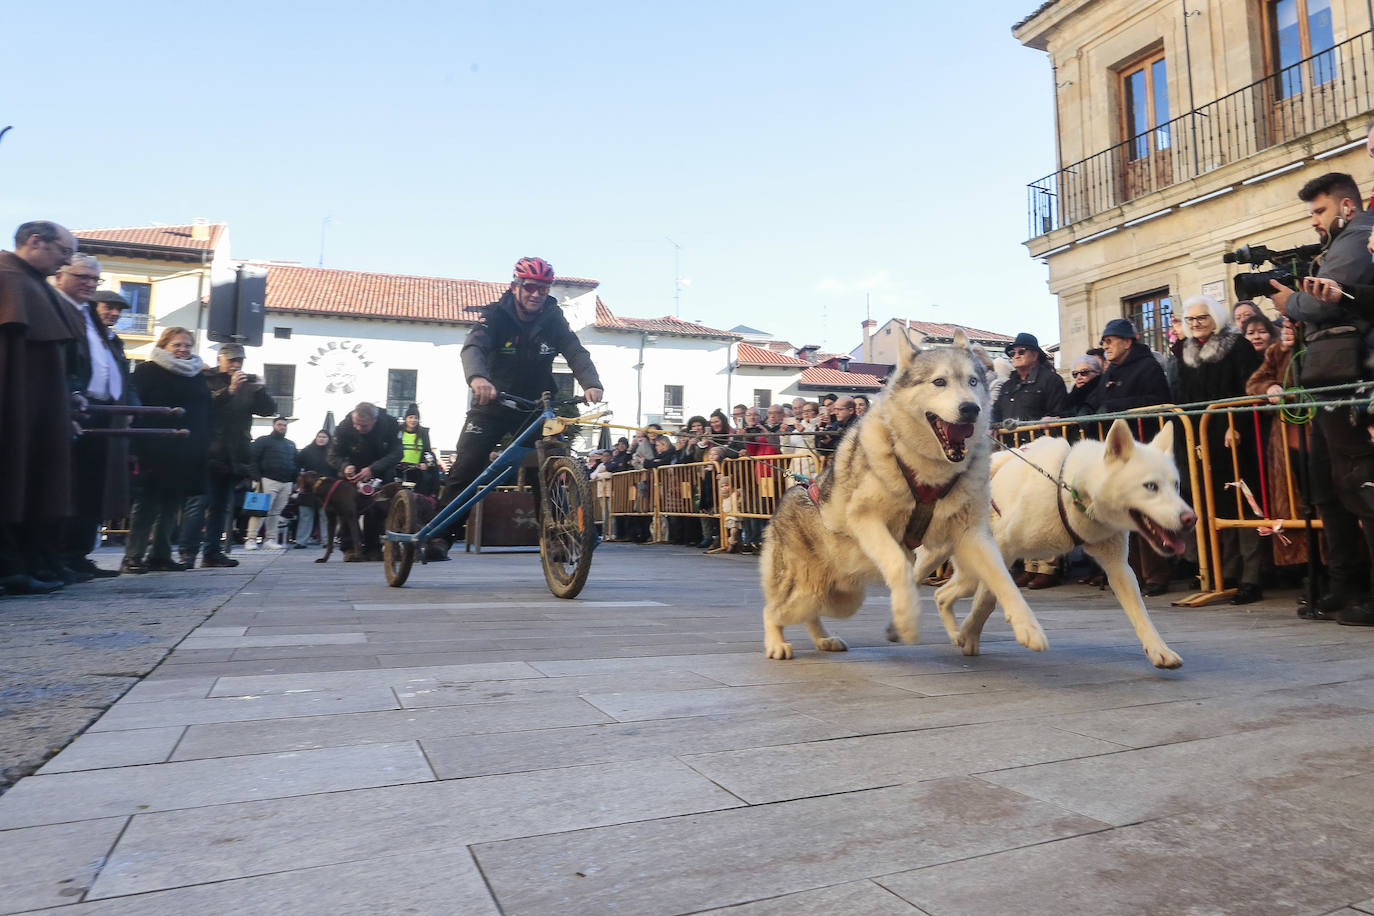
x=237 y=307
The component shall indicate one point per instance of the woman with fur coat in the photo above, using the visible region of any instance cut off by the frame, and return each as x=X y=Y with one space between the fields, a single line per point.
x=1215 y=363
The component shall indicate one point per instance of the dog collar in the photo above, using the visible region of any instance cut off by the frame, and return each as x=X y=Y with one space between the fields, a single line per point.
x=1059 y=489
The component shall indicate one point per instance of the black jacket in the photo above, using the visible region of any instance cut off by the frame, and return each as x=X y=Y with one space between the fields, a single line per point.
x=174 y=464
x=1138 y=382
x=1040 y=394
x=829 y=441
x=231 y=423
x=316 y=458
x=380 y=449
x=517 y=356
x=1078 y=402
x=274 y=457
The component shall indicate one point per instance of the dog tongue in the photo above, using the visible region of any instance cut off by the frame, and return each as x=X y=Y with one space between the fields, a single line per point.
x=958 y=433
x=1175 y=544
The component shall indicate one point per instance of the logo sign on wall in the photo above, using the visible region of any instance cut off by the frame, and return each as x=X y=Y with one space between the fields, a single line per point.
x=341 y=361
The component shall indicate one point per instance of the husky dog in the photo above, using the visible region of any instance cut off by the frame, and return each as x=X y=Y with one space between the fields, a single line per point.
x=913 y=470
x=1095 y=494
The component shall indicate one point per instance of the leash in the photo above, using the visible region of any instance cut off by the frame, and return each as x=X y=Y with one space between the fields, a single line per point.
x=330 y=495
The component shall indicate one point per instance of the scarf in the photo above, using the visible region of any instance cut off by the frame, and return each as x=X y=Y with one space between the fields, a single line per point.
x=1213 y=351
x=164 y=359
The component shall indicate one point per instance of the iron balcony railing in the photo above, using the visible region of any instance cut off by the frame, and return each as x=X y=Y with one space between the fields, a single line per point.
x=1317 y=92
x=135 y=323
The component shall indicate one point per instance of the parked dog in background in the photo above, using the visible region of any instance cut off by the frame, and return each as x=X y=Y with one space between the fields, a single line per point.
x=1094 y=494
x=913 y=470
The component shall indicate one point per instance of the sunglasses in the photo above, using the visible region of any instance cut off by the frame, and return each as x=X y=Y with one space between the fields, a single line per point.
x=534 y=287
x=1020 y=351
x=1082 y=373
x=1197 y=319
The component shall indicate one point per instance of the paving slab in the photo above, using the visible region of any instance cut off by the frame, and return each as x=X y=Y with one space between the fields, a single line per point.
x=243 y=708
x=53 y=865
x=855 y=897
x=684 y=864
x=102 y=750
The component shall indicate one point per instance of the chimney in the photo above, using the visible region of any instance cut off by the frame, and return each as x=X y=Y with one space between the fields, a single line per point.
x=844 y=363
x=200 y=229
x=808 y=353
x=869 y=326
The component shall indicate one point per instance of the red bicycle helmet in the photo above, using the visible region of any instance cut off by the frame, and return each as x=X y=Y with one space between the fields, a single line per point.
x=534 y=269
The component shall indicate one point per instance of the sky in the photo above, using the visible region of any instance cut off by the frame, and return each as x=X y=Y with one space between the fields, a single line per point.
x=785 y=166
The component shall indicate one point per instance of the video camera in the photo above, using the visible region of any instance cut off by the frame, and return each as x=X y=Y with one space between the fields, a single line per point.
x=1289 y=265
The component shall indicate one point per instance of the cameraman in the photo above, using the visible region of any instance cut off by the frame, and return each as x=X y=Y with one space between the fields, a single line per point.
x=1342 y=456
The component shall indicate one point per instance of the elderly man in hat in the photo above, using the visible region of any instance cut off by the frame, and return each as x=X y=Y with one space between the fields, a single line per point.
x=1134 y=377
x=101 y=483
x=1034 y=390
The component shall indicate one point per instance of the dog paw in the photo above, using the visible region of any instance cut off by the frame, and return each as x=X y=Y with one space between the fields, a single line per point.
x=780 y=650
x=1032 y=637
x=321 y=560
x=892 y=633
x=968 y=644
x=1164 y=657
x=832 y=644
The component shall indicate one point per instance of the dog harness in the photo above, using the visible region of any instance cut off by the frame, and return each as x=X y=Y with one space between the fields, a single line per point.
x=330 y=495
x=1064 y=513
x=926 y=496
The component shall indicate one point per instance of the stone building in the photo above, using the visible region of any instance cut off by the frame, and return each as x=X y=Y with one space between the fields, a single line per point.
x=1183 y=131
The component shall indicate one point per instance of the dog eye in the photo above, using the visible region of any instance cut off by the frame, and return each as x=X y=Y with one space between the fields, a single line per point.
x=1152 y=486
x=973 y=381
x=940 y=383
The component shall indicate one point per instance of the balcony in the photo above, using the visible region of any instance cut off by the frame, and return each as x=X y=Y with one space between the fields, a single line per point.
x=135 y=323
x=1318 y=92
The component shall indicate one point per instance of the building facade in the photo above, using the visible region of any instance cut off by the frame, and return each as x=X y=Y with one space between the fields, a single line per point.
x=1183 y=131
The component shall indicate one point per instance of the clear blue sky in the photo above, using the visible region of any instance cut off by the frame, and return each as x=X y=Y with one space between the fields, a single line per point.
x=802 y=154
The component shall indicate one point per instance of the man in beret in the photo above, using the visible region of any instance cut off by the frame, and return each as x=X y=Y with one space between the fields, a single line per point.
x=1133 y=377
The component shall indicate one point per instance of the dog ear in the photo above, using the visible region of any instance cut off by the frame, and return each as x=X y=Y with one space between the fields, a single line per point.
x=1164 y=439
x=960 y=338
x=905 y=354
x=981 y=355
x=1120 y=445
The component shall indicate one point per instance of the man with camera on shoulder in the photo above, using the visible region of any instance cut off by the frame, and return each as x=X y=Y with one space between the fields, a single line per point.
x=1335 y=327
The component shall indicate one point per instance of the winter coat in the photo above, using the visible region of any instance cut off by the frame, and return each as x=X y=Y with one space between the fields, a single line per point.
x=172 y=463
x=1214 y=371
x=1078 y=402
x=274 y=457
x=517 y=356
x=1039 y=394
x=379 y=449
x=316 y=458
x=231 y=423
x=1137 y=382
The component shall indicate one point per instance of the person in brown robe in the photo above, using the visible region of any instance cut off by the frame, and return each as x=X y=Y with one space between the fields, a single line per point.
x=1281 y=461
x=35 y=407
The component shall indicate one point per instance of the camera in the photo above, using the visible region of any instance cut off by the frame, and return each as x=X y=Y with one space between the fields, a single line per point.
x=1289 y=265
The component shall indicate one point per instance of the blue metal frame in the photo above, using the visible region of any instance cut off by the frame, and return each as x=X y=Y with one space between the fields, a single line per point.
x=505 y=465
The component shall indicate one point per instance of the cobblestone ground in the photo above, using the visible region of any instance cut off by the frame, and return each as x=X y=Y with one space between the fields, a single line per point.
x=311 y=741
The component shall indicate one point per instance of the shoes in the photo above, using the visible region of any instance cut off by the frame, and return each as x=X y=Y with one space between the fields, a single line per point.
x=436 y=551
x=72 y=575
x=1155 y=589
x=271 y=545
x=1022 y=579
x=250 y=545
x=24 y=584
x=133 y=566
x=1096 y=580
x=1357 y=615
x=157 y=565
x=217 y=561
x=1247 y=593
x=186 y=559
x=704 y=543
x=299 y=546
x=84 y=564
x=1042 y=580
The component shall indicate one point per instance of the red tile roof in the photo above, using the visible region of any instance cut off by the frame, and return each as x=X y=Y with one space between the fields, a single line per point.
x=322 y=290
x=936 y=329
x=818 y=375
x=750 y=355
x=162 y=236
x=607 y=320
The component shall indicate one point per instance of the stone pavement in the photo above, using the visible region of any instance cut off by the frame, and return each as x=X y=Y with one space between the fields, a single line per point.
x=472 y=745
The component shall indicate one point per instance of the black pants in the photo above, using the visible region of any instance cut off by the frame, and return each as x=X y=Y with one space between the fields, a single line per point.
x=1342 y=461
x=212 y=512
x=484 y=428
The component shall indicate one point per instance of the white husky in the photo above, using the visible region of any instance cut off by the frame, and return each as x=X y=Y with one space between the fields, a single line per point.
x=913 y=470
x=1100 y=492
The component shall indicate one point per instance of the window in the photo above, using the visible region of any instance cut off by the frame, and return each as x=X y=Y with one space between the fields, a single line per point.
x=400 y=390
x=280 y=381
x=672 y=403
x=1145 y=107
x=281 y=333
x=763 y=398
x=138 y=295
x=1301 y=29
x=1150 y=313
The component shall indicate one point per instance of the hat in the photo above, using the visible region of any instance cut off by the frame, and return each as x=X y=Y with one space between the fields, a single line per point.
x=283 y=419
x=1120 y=327
x=412 y=411
x=232 y=351
x=1024 y=339
x=109 y=298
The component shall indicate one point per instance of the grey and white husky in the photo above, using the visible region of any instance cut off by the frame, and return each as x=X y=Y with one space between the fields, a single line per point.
x=912 y=471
